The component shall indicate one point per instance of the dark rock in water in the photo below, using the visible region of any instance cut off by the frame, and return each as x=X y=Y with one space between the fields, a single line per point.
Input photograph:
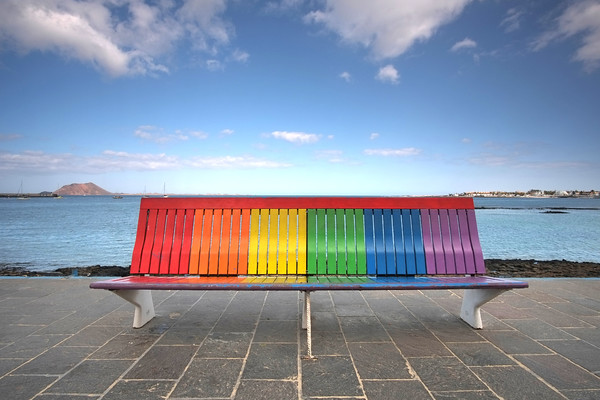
x=554 y=212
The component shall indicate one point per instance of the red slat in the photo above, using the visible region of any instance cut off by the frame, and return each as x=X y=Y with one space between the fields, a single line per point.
x=158 y=241
x=140 y=236
x=309 y=202
x=177 y=241
x=188 y=228
x=205 y=247
x=148 y=242
x=213 y=260
x=244 y=243
x=232 y=264
x=165 y=254
x=225 y=243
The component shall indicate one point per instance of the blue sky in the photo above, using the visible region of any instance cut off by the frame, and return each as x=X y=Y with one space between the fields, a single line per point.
x=302 y=97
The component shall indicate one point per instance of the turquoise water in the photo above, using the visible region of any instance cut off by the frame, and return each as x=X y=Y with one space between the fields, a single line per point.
x=46 y=233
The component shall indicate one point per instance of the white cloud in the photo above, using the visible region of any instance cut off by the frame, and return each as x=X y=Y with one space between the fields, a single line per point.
x=158 y=135
x=388 y=28
x=388 y=74
x=373 y=135
x=581 y=19
x=296 y=137
x=125 y=37
x=466 y=140
x=240 y=56
x=332 y=156
x=404 y=152
x=5 y=137
x=466 y=43
x=512 y=21
x=230 y=162
x=227 y=132
x=346 y=76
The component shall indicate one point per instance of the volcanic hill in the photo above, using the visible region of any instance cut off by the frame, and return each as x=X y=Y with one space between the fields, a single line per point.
x=82 y=189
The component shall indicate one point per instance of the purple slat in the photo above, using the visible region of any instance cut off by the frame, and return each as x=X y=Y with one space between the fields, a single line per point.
x=459 y=256
x=474 y=235
x=427 y=242
x=438 y=249
x=447 y=242
x=465 y=239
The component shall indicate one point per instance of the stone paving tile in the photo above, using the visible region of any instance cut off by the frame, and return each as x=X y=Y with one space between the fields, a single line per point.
x=329 y=376
x=139 y=390
x=578 y=351
x=162 y=362
x=590 y=335
x=23 y=387
x=325 y=343
x=90 y=377
x=536 y=329
x=179 y=335
x=421 y=343
x=560 y=372
x=55 y=361
x=225 y=345
x=513 y=342
x=479 y=354
x=8 y=364
x=325 y=321
x=363 y=329
x=395 y=389
x=277 y=331
x=267 y=390
x=280 y=311
x=209 y=377
x=513 y=382
x=272 y=361
x=582 y=394
x=445 y=374
x=31 y=346
x=559 y=319
x=125 y=347
x=91 y=336
x=466 y=395
x=379 y=361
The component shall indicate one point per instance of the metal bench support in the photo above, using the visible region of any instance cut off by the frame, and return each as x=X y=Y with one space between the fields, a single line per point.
x=142 y=300
x=307 y=324
x=473 y=299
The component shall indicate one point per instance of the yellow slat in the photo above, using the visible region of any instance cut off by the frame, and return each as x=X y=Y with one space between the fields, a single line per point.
x=272 y=250
x=263 y=241
x=292 y=237
x=301 y=241
x=282 y=245
x=253 y=242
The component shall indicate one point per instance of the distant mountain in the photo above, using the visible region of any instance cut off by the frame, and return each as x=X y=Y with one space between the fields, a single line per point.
x=82 y=189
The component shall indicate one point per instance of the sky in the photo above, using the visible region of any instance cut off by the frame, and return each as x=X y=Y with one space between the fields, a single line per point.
x=324 y=97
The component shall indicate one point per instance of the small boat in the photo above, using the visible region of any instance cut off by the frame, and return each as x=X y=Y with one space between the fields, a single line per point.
x=117 y=197
x=20 y=194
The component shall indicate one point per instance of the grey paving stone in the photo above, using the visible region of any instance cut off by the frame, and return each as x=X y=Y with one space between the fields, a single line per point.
x=537 y=329
x=31 y=346
x=272 y=361
x=505 y=311
x=363 y=329
x=181 y=336
x=125 y=347
x=237 y=322
x=90 y=377
x=421 y=343
x=325 y=343
x=379 y=361
x=466 y=395
x=209 y=377
x=560 y=372
x=559 y=319
x=579 y=352
x=12 y=332
x=514 y=382
x=62 y=396
x=513 y=342
x=162 y=362
x=225 y=345
x=139 y=390
x=94 y=336
x=590 y=335
x=445 y=374
x=280 y=311
x=277 y=331
x=353 y=310
x=325 y=321
x=8 y=364
x=55 y=361
x=23 y=387
x=329 y=376
x=582 y=394
x=267 y=390
x=479 y=354
x=395 y=389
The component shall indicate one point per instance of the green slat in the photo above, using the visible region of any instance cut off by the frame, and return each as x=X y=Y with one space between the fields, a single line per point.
x=311 y=239
x=361 y=255
x=342 y=260
x=350 y=242
x=331 y=246
x=321 y=242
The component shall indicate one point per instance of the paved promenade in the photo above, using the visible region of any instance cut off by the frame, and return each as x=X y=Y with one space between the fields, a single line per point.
x=61 y=340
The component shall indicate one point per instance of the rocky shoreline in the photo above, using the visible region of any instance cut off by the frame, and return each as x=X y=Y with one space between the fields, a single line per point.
x=496 y=267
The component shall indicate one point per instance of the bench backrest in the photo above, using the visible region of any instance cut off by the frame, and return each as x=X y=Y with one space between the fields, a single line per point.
x=307 y=236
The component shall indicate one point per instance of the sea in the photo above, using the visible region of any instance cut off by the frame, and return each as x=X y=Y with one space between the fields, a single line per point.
x=44 y=234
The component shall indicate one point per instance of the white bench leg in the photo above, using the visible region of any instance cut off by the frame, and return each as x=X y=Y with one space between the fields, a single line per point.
x=473 y=299
x=307 y=324
x=142 y=300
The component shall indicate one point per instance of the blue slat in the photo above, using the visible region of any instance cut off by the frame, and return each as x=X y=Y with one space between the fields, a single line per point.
x=399 y=242
x=379 y=241
x=418 y=240
x=389 y=243
x=411 y=265
x=370 y=242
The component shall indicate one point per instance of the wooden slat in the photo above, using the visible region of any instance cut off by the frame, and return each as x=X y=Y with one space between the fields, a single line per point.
x=474 y=236
x=331 y=246
x=207 y=223
x=140 y=236
x=399 y=242
x=254 y=202
x=388 y=238
x=418 y=242
x=447 y=242
x=361 y=252
x=196 y=242
x=234 y=243
x=459 y=255
x=263 y=242
x=242 y=268
x=253 y=242
x=409 y=245
x=188 y=229
x=282 y=243
x=466 y=242
x=379 y=241
x=158 y=241
x=321 y=242
x=177 y=242
x=302 y=242
x=371 y=260
x=342 y=259
x=165 y=254
x=215 y=237
x=273 y=237
x=438 y=249
x=350 y=242
x=311 y=239
x=224 y=247
x=428 y=241
x=292 y=242
x=148 y=243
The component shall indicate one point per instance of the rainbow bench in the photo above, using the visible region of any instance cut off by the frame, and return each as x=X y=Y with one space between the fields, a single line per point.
x=307 y=244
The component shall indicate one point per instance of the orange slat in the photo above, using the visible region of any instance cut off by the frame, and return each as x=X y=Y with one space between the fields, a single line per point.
x=225 y=243
x=232 y=265
x=196 y=243
x=205 y=248
x=188 y=227
x=158 y=241
x=148 y=242
x=242 y=268
x=165 y=254
x=213 y=259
